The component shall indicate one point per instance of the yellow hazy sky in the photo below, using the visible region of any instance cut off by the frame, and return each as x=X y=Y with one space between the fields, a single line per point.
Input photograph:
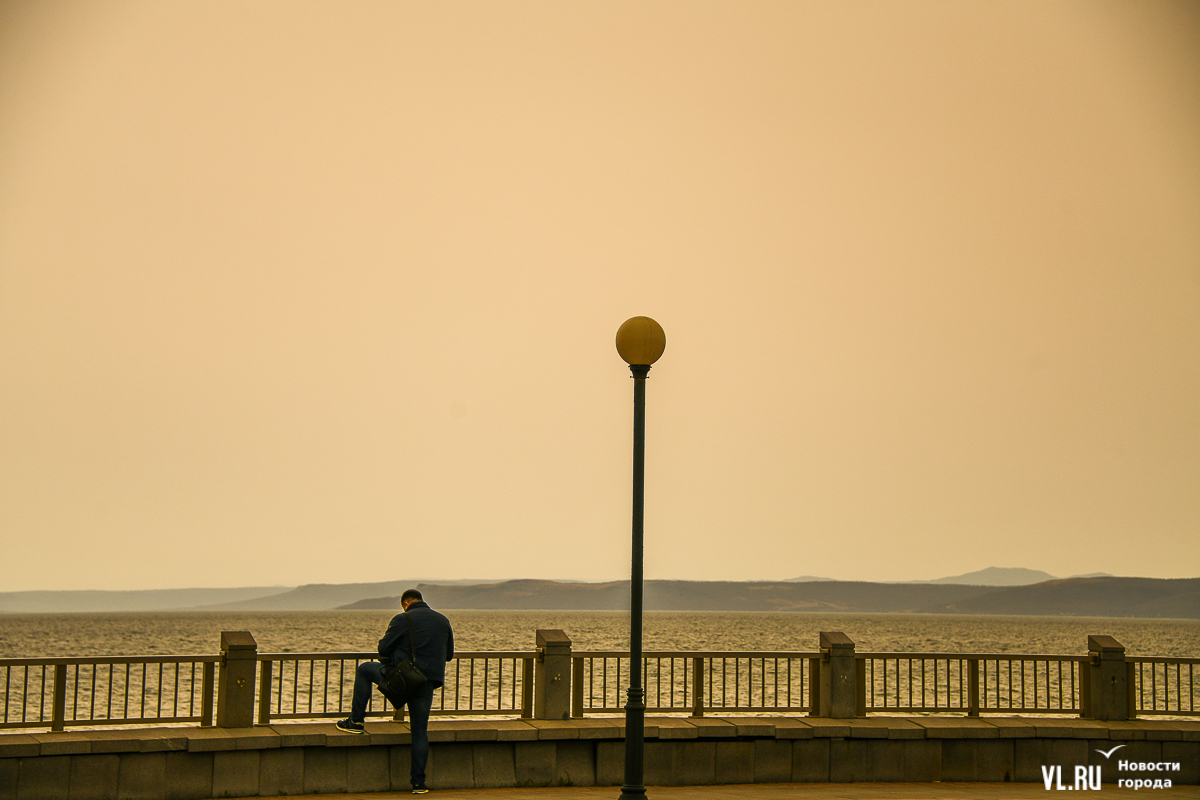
x=325 y=292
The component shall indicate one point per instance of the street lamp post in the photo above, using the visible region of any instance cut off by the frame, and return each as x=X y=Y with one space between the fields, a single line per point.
x=640 y=342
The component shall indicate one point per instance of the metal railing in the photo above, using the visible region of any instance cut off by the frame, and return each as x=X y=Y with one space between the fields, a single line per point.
x=107 y=690
x=321 y=685
x=488 y=683
x=971 y=683
x=141 y=690
x=1164 y=686
x=695 y=682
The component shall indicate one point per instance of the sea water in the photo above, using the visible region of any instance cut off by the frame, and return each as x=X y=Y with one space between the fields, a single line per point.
x=199 y=632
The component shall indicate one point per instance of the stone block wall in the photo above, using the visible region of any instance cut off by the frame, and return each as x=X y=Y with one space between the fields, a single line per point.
x=312 y=758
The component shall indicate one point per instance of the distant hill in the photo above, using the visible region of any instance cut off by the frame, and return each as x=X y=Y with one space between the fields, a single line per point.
x=133 y=600
x=1101 y=597
x=1090 y=597
x=998 y=576
x=312 y=597
x=991 y=576
x=321 y=596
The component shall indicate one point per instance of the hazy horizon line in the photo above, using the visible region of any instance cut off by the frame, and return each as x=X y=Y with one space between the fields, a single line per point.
x=483 y=581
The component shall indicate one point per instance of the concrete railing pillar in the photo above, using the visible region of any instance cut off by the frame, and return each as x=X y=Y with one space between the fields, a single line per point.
x=552 y=676
x=1107 y=681
x=838 y=676
x=235 y=680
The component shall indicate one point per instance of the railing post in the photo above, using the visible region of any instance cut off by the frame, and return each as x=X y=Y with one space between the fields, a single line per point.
x=973 y=687
x=1108 y=679
x=577 y=687
x=814 y=687
x=860 y=687
x=235 y=680
x=838 y=681
x=264 y=692
x=552 y=676
x=208 y=682
x=527 y=688
x=58 y=713
x=1085 y=689
x=1131 y=679
x=698 y=686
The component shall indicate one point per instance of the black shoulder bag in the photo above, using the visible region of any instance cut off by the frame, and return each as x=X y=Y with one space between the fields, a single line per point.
x=401 y=682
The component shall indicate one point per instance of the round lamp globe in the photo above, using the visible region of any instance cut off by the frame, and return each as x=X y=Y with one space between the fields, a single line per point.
x=641 y=340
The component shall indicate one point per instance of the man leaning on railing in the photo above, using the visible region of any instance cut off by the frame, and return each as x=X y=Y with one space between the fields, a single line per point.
x=434 y=646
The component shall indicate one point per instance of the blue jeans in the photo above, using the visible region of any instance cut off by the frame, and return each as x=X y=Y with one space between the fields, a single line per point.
x=368 y=675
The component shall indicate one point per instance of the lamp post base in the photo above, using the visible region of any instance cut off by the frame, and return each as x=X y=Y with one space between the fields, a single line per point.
x=635 y=735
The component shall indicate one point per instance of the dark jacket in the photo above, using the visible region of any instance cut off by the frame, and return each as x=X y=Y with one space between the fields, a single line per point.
x=435 y=641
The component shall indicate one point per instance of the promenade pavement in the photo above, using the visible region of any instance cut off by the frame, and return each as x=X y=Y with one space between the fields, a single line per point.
x=778 y=791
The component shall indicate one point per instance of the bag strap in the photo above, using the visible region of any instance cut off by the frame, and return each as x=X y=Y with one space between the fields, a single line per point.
x=412 y=639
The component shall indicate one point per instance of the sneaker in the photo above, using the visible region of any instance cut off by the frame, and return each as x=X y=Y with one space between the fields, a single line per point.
x=350 y=726
x=420 y=788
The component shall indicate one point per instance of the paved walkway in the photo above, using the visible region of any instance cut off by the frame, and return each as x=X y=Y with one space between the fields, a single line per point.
x=778 y=791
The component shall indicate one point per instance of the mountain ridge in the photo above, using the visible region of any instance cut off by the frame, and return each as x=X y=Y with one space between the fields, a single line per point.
x=997 y=576
x=1103 y=595
x=68 y=601
x=1092 y=597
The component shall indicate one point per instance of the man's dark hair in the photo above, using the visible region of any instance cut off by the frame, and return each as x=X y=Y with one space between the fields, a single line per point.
x=410 y=594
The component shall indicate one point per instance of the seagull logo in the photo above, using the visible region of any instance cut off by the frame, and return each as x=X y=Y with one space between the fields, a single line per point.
x=1110 y=752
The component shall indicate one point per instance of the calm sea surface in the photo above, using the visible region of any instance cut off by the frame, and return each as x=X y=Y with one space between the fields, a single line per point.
x=34 y=635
